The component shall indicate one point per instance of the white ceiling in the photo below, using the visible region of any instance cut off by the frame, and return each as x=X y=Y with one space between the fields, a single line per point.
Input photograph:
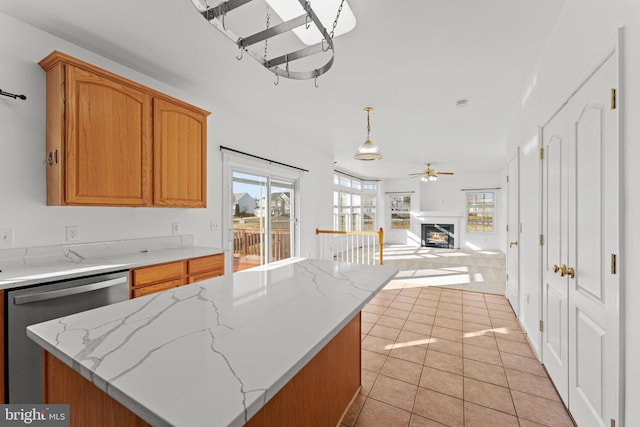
x=411 y=60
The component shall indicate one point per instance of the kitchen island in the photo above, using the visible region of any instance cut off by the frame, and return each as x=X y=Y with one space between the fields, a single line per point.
x=263 y=344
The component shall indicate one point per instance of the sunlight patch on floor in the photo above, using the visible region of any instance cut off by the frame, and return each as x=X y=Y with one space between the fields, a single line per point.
x=410 y=343
x=485 y=331
x=453 y=279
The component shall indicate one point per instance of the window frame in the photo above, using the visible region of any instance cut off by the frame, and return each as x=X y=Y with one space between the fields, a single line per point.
x=474 y=207
x=348 y=213
x=404 y=209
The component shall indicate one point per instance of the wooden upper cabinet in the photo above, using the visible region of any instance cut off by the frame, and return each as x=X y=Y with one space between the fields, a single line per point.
x=108 y=149
x=114 y=142
x=179 y=155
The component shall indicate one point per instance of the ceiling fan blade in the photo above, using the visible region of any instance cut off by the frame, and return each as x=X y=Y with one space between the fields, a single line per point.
x=416 y=174
x=445 y=173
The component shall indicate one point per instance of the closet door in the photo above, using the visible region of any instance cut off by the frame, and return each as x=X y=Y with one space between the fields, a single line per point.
x=555 y=293
x=593 y=240
x=581 y=220
x=513 y=233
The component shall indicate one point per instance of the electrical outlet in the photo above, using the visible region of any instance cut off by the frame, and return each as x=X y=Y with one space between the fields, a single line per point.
x=213 y=226
x=175 y=228
x=6 y=237
x=73 y=233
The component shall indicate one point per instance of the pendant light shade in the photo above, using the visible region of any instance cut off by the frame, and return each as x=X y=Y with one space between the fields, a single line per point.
x=368 y=150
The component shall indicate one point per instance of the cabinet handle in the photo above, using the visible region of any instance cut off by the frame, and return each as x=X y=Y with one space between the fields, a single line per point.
x=52 y=157
x=556 y=268
x=513 y=243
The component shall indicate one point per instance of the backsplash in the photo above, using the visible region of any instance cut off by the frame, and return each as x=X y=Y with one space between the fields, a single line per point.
x=42 y=255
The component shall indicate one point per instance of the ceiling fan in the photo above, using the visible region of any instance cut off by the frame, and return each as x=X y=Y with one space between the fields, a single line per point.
x=429 y=175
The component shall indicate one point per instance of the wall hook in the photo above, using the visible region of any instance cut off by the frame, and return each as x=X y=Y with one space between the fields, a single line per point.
x=277 y=79
x=241 y=51
x=12 y=95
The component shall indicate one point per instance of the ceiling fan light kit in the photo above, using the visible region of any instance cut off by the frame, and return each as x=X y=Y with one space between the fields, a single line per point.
x=279 y=65
x=429 y=175
x=368 y=150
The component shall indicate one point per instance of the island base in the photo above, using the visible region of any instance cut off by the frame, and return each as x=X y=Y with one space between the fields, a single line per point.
x=319 y=394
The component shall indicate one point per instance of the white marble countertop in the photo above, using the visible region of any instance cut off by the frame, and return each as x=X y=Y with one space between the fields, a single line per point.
x=214 y=352
x=41 y=265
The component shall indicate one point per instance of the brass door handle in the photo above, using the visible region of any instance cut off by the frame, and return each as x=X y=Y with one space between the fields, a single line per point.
x=513 y=243
x=563 y=270
x=571 y=273
x=556 y=268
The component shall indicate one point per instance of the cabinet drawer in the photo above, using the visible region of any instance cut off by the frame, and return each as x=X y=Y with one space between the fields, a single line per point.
x=205 y=264
x=204 y=276
x=158 y=273
x=146 y=290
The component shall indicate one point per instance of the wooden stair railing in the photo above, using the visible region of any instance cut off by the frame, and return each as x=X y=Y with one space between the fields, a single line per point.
x=351 y=246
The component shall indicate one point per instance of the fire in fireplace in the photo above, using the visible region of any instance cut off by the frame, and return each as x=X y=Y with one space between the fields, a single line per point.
x=438 y=236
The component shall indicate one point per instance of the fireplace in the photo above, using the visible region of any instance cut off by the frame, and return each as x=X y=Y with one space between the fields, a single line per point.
x=438 y=236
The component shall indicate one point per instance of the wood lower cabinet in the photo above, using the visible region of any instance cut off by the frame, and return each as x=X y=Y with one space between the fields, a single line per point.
x=205 y=267
x=160 y=277
x=114 y=142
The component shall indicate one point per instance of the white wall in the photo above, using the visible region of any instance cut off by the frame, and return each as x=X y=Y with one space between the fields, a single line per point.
x=584 y=28
x=22 y=151
x=445 y=196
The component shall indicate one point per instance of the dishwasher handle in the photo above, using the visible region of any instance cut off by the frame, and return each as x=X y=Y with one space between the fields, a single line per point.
x=59 y=293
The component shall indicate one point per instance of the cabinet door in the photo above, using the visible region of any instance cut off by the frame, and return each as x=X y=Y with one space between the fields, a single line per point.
x=108 y=152
x=205 y=267
x=158 y=273
x=158 y=287
x=179 y=155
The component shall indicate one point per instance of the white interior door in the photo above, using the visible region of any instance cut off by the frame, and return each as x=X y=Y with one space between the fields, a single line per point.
x=581 y=337
x=593 y=238
x=513 y=233
x=555 y=339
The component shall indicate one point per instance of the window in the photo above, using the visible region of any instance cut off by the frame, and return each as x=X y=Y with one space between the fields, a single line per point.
x=480 y=211
x=263 y=218
x=368 y=211
x=400 y=211
x=354 y=204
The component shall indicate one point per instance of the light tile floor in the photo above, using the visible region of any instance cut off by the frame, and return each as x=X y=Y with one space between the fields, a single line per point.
x=433 y=356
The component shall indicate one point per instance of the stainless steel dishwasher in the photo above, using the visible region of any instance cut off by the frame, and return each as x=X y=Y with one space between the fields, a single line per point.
x=27 y=306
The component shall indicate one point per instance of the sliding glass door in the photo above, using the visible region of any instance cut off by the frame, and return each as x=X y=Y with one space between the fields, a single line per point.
x=263 y=219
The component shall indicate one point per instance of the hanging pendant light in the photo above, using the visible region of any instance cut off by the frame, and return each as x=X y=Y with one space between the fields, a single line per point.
x=368 y=150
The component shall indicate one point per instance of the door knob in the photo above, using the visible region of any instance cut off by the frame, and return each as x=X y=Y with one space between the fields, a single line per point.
x=571 y=273
x=556 y=268
x=563 y=270
x=513 y=243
